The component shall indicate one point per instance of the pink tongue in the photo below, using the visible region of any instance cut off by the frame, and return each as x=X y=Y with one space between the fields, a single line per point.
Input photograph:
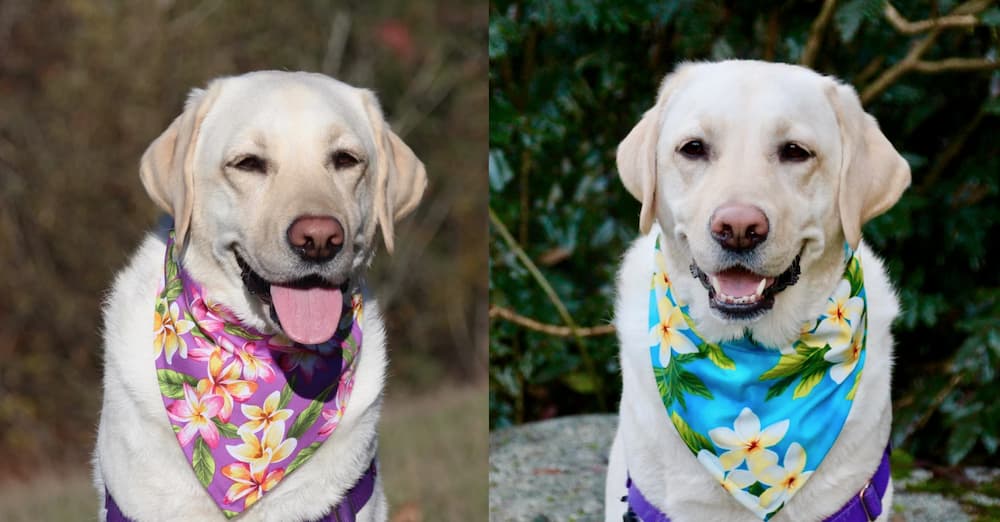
x=738 y=283
x=308 y=315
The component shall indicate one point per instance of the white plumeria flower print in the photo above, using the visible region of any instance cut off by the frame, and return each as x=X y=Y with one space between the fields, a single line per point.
x=734 y=481
x=668 y=332
x=785 y=480
x=842 y=312
x=747 y=442
x=846 y=359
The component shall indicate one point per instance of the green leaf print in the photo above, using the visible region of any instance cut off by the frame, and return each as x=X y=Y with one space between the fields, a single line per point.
x=694 y=440
x=173 y=289
x=172 y=383
x=229 y=514
x=854 y=388
x=226 y=429
x=674 y=383
x=854 y=276
x=286 y=393
x=202 y=462
x=303 y=456
x=233 y=329
x=717 y=356
x=807 y=364
x=308 y=417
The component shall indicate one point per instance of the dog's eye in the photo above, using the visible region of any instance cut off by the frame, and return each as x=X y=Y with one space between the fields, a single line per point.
x=251 y=163
x=793 y=152
x=344 y=160
x=694 y=149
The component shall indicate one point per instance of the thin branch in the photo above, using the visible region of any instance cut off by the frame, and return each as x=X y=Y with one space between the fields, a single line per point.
x=955 y=64
x=912 y=59
x=499 y=312
x=890 y=75
x=588 y=362
x=907 y=27
x=816 y=33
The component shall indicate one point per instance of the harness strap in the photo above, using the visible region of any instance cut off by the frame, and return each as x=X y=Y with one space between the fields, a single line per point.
x=346 y=511
x=866 y=506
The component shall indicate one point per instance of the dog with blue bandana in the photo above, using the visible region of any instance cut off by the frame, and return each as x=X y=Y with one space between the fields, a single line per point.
x=754 y=322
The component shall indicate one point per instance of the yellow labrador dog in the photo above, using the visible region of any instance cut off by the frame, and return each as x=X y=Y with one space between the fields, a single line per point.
x=244 y=356
x=754 y=322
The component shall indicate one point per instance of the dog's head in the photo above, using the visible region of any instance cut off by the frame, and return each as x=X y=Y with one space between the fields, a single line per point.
x=757 y=174
x=277 y=182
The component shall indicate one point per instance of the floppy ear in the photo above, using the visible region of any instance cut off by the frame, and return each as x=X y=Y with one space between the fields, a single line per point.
x=872 y=174
x=167 y=169
x=636 y=156
x=400 y=177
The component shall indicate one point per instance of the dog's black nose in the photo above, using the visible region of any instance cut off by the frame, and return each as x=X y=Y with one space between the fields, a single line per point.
x=316 y=238
x=739 y=227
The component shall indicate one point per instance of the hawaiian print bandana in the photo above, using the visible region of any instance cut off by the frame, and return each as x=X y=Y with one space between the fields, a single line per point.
x=759 y=420
x=248 y=408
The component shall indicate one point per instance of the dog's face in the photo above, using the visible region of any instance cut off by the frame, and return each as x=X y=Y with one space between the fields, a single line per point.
x=757 y=174
x=277 y=182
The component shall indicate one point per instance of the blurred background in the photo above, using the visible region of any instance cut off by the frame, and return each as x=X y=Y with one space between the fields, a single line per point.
x=568 y=80
x=85 y=86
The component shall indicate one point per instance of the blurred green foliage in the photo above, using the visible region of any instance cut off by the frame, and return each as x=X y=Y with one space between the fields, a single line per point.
x=569 y=79
x=85 y=86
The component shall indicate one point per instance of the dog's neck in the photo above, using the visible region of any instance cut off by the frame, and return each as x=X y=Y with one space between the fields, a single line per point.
x=822 y=268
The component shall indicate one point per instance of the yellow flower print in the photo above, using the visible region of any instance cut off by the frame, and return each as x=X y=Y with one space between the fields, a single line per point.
x=261 y=453
x=249 y=484
x=168 y=328
x=261 y=418
x=667 y=333
x=845 y=359
x=841 y=313
x=784 y=480
x=748 y=442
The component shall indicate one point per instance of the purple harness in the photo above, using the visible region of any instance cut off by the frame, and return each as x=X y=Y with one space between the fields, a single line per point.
x=866 y=506
x=346 y=511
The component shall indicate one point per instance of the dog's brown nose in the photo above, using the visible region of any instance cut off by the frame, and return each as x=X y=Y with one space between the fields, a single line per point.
x=316 y=238
x=739 y=227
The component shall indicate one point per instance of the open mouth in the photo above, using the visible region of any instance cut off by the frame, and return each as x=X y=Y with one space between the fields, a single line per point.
x=308 y=309
x=740 y=293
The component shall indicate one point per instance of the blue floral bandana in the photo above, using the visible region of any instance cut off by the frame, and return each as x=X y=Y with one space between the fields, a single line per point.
x=759 y=419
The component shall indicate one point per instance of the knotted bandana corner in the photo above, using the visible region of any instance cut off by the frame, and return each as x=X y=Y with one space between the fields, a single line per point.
x=248 y=408
x=759 y=420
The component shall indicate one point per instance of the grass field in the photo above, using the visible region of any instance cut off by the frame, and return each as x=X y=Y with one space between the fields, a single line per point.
x=433 y=453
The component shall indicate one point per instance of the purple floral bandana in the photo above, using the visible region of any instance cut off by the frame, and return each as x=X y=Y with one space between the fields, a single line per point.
x=248 y=408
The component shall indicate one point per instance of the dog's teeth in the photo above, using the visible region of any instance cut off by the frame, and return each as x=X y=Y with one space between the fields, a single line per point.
x=715 y=284
x=760 y=287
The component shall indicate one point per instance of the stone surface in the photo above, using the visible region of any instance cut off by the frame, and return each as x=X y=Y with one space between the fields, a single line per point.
x=551 y=470
x=554 y=471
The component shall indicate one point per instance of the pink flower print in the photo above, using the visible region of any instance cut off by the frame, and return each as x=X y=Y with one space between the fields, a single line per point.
x=259 y=454
x=256 y=364
x=197 y=410
x=203 y=350
x=249 y=484
x=261 y=417
x=225 y=382
x=332 y=419
x=207 y=320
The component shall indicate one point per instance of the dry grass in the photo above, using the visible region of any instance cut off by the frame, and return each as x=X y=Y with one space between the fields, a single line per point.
x=433 y=459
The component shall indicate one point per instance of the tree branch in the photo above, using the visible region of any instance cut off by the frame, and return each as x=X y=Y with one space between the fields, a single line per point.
x=955 y=64
x=907 y=27
x=912 y=61
x=519 y=252
x=816 y=33
x=559 y=331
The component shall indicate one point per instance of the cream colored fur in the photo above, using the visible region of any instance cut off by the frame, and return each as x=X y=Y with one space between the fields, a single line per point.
x=295 y=121
x=744 y=111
